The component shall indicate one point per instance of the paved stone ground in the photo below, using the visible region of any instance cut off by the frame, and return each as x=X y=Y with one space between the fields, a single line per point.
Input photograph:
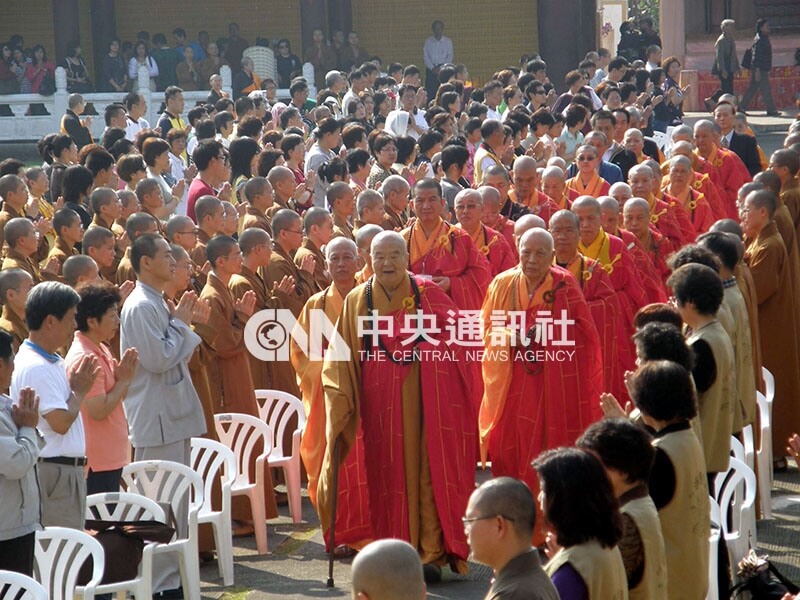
x=297 y=566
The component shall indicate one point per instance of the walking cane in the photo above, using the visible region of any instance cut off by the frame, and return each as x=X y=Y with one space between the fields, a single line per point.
x=333 y=518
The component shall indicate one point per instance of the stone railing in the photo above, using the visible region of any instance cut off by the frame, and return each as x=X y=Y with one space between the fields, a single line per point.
x=27 y=125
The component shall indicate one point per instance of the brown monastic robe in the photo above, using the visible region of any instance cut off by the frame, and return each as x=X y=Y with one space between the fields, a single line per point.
x=322 y=278
x=125 y=270
x=255 y=218
x=110 y=273
x=61 y=252
x=228 y=371
x=777 y=312
x=199 y=256
x=9 y=212
x=14 y=325
x=341 y=228
x=16 y=260
x=744 y=279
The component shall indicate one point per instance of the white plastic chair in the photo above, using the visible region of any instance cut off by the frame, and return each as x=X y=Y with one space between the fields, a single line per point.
x=12 y=584
x=661 y=139
x=713 y=549
x=749 y=447
x=276 y=408
x=737 y=449
x=123 y=506
x=241 y=433
x=736 y=496
x=764 y=454
x=179 y=486
x=58 y=556
x=769 y=384
x=214 y=461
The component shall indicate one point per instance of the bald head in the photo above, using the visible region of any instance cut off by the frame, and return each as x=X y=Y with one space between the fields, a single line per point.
x=620 y=191
x=366 y=234
x=682 y=148
x=635 y=204
x=387 y=241
x=640 y=170
x=559 y=162
x=554 y=172
x=586 y=203
x=16 y=229
x=388 y=570
x=278 y=175
x=524 y=164
x=526 y=223
x=79 y=269
x=253 y=237
x=510 y=498
x=490 y=196
x=607 y=203
x=341 y=245
x=609 y=209
x=536 y=238
x=564 y=218
x=703 y=125
x=682 y=133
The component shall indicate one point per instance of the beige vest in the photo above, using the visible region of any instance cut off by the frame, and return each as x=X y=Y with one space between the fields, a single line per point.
x=600 y=568
x=716 y=404
x=653 y=585
x=743 y=352
x=480 y=154
x=686 y=521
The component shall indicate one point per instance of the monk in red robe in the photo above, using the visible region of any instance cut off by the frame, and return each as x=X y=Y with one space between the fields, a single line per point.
x=526 y=189
x=468 y=208
x=726 y=170
x=650 y=279
x=599 y=293
x=414 y=409
x=536 y=397
x=699 y=181
x=444 y=253
x=587 y=181
x=662 y=215
x=636 y=215
x=610 y=251
x=491 y=217
x=353 y=521
x=679 y=186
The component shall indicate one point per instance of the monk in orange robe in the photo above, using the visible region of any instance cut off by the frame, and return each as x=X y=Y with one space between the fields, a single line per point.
x=420 y=477
x=468 y=208
x=526 y=189
x=662 y=215
x=536 y=398
x=650 y=279
x=353 y=521
x=587 y=181
x=364 y=237
x=491 y=217
x=679 y=186
x=724 y=168
x=228 y=367
x=777 y=311
x=444 y=253
x=599 y=293
x=636 y=214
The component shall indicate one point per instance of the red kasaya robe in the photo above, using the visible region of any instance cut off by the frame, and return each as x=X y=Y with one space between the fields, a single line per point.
x=531 y=406
x=449 y=252
x=681 y=215
x=604 y=306
x=662 y=215
x=727 y=172
x=596 y=187
x=540 y=205
x=417 y=419
x=698 y=209
x=495 y=248
x=650 y=279
x=657 y=250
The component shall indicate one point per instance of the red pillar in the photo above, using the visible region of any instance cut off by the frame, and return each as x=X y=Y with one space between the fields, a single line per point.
x=66 y=26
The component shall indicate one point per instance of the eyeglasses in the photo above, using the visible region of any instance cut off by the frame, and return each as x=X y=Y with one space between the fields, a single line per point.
x=467 y=522
x=224 y=158
x=192 y=232
x=586 y=158
x=235 y=256
x=293 y=231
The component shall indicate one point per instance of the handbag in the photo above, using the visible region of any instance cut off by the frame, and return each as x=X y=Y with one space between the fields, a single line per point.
x=123 y=546
x=747 y=59
x=762 y=579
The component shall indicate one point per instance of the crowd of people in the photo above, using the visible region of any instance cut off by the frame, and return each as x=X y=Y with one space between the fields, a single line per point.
x=623 y=302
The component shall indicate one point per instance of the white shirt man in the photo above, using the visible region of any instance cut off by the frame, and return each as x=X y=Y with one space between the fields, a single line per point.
x=437 y=51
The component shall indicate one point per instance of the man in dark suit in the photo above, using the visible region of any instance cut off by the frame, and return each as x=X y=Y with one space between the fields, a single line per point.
x=604 y=121
x=744 y=146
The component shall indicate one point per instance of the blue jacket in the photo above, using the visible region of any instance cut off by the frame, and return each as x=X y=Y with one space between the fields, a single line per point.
x=608 y=171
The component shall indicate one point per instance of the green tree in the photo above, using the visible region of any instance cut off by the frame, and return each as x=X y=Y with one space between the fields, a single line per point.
x=644 y=8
